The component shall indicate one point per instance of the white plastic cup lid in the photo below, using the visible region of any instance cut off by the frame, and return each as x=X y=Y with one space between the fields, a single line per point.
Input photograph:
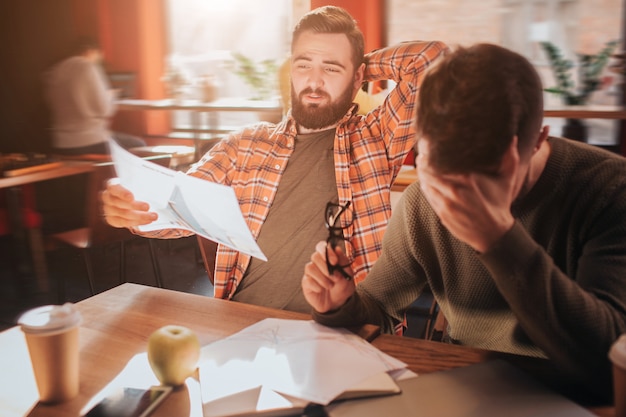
x=49 y=318
x=617 y=354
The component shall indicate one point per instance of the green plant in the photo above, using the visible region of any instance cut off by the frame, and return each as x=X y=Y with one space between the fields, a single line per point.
x=589 y=70
x=261 y=76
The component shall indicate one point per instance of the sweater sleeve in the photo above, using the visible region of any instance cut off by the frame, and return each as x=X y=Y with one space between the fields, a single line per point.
x=396 y=280
x=574 y=320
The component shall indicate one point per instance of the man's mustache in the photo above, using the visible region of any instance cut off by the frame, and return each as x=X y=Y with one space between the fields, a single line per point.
x=317 y=91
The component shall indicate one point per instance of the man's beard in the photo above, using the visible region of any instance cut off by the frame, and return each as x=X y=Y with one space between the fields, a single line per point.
x=315 y=116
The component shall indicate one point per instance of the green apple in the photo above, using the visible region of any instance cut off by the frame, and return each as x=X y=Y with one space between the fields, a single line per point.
x=173 y=353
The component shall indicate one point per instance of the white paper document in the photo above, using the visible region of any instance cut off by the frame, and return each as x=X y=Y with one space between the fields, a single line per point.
x=282 y=363
x=184 y=202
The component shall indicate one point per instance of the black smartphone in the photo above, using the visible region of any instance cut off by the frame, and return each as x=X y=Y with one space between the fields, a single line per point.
x=130 y=402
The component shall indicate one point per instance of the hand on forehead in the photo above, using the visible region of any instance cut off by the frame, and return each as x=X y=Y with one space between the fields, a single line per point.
x=427 y=172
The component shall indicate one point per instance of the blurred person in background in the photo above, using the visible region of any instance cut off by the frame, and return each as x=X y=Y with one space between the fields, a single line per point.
x=82 y=103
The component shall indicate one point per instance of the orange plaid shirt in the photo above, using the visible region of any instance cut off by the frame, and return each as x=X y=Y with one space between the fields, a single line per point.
x=368 y=151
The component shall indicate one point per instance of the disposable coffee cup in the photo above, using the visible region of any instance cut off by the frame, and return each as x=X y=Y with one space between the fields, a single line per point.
x=52 y=338
x=617 y=354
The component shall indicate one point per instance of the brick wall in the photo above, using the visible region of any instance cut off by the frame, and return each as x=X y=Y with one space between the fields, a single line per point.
x=469 y=21
x=452 y=21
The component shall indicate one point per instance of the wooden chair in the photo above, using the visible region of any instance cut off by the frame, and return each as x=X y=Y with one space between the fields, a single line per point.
x=425 y=319
x=97 y=232
x=436 y=328
x=208 y=250
x=26 y=231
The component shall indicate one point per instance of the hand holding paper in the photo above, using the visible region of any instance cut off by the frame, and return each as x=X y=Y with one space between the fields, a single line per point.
x=183 y=202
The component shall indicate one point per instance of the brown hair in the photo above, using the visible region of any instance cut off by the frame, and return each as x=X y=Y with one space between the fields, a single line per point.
x=332 y=19
x=84 y=44
x=473 y=102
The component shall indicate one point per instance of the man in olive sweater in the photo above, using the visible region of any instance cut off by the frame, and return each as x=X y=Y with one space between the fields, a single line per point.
x=520 y=236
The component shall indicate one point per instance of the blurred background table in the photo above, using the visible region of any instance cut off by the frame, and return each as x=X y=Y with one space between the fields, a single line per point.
x=587 y=112
x=200 y=130
x=19 y=216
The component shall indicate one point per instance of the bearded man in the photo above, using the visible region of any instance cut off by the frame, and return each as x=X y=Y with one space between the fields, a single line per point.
x=322 y=152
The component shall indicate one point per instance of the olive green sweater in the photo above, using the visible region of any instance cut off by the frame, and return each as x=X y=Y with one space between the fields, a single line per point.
x=553 y=286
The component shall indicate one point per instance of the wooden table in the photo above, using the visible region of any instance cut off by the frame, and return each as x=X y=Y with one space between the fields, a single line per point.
x=587 y=112
x=424 y=356
x=116 y=325
x=227 y=104
x=13 y=184
x=406 y=177
x=57 y=170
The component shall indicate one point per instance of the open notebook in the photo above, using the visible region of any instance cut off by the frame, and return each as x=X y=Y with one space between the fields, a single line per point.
x=260 y=402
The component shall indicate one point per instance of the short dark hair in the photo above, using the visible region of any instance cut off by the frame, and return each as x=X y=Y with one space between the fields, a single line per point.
x=473 y=102
x=333 y=19
x=84 y=44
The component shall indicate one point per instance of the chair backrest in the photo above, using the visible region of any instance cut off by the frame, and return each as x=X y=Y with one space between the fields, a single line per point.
x=100 y=231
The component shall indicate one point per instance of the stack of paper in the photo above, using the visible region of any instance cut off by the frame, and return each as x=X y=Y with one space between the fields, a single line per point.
x=291 y=363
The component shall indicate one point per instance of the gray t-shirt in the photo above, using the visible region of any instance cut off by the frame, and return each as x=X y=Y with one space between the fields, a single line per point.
x=294 y=225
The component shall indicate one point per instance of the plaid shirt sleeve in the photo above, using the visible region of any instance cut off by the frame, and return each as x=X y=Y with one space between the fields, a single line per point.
x=371 y=148
x=405 y=64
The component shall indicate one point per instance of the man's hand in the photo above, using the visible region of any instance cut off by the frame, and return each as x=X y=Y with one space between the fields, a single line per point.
x=475 y=208
x=323 y=291
x=120 y=209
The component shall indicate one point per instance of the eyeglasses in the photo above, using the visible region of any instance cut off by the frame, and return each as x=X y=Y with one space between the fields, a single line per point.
x=338 y=217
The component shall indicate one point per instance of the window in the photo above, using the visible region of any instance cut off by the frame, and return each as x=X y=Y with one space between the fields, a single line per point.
x=573 y=25
x=204 y=34
x=525 y=23
x=528 y=22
